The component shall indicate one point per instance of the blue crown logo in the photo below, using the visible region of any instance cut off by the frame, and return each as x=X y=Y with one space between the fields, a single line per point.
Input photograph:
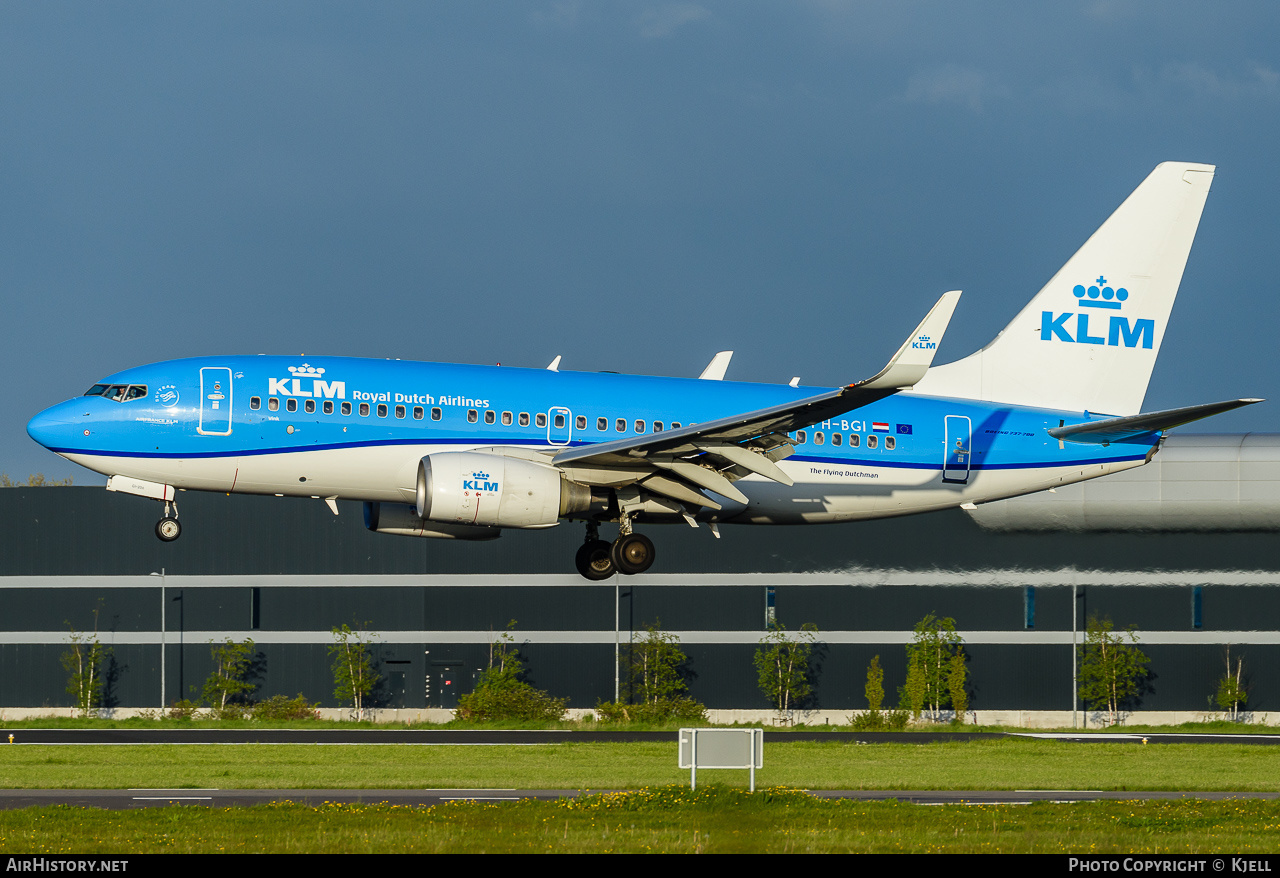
x=479 y=475
x=1098 y=295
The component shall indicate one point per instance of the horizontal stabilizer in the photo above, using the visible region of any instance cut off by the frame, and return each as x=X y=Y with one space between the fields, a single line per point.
x=1117 y=429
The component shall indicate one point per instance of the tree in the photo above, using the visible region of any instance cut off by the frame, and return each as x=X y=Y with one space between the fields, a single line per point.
x=875 y=685
x=84 y=662
x=1231 y=693
x=656 y=678
x=228 y=682
x=354 y=674
x=936 y=642
x=1112 y=670
x=502 y=694
x=782 y=662
x=36 y=480
x=957 y=678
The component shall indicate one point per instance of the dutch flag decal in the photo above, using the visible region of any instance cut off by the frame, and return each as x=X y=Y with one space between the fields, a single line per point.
x=880 y=427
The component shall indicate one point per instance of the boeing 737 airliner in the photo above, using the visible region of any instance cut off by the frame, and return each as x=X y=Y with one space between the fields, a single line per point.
x=461 y=452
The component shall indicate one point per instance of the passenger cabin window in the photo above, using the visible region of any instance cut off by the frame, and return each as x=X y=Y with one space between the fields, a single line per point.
x=621 y=425
x=580 y=422
x=524 y=419
x=472 y=416
x=657 y=426
x=854 y=440
x=435 y=414
x=639 y=426
x=675 y=425
x=364 y=409
x=602 y=424
x=291 y=405
x=507 y=419
x=255 y=403
x=540 y=419
x=559 y=421
x=382 y=409
x=328 y=406
x=871 y=441
x=817 y=437
x=801 y=438
x=400 y=410
x=346 y=408
x=490 y=416
x=836 y=438
x=890 y=443
x=273 y=404
x=418 y=412
x=310 y=406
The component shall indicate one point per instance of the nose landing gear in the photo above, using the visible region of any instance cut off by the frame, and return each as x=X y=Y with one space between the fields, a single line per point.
x=167 y=528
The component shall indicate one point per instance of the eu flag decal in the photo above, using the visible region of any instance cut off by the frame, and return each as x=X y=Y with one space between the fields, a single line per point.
x=904 y=429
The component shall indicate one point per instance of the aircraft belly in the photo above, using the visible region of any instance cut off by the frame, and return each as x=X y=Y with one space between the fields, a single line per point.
x=828 y=493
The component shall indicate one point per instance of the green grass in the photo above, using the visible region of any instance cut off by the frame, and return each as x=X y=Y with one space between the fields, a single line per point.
x=670 y=820
x=1008 y=764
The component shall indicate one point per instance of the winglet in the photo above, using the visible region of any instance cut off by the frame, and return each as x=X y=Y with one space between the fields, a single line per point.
x=913 y=359
x=555 y=364
x=717 y=367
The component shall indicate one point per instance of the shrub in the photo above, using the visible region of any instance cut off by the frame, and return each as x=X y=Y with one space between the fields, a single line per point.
x=665 y=711
x=278 y=707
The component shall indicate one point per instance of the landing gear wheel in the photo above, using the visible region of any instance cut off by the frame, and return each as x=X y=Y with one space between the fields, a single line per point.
x=593 y=560
x=632 y=553
x=168 y=529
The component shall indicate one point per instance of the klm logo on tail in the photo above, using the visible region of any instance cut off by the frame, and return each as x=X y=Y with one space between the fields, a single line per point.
x=1119 y=331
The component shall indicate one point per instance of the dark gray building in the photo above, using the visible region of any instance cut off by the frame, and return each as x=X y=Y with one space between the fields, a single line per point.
x=285 y=572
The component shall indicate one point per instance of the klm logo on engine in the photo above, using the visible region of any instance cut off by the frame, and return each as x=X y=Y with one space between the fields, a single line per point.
x=1117 y=328
x=479 y=482
x=310 y=377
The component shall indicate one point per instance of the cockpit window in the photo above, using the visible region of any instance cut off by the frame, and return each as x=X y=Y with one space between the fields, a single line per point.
x=118 y=392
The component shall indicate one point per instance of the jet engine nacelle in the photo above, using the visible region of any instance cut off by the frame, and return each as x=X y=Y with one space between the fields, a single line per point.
x=402 y=520
x=473 y=488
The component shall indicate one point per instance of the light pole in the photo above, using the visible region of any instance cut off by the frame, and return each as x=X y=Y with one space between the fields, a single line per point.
x=162 y=635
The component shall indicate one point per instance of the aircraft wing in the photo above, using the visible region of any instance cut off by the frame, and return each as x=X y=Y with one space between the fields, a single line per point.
x=714 y=453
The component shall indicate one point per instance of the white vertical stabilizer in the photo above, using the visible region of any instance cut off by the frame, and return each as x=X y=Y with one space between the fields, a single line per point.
x=1088 y=341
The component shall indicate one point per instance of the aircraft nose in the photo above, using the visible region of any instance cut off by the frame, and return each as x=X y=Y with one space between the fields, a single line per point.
x=54 y=427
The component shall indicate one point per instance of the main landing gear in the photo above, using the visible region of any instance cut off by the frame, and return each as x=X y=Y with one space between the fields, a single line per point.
x=168 y=528
x=630 y=553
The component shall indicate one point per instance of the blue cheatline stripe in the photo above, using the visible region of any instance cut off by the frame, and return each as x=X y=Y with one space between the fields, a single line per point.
x=873 y=463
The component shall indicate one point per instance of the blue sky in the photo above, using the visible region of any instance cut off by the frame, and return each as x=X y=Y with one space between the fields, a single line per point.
x=632 y=185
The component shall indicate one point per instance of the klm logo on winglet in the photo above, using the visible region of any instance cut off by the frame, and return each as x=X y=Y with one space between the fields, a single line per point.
x=1119 y=331
x=923 y=343
x=319 y=387
x=479 y=482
